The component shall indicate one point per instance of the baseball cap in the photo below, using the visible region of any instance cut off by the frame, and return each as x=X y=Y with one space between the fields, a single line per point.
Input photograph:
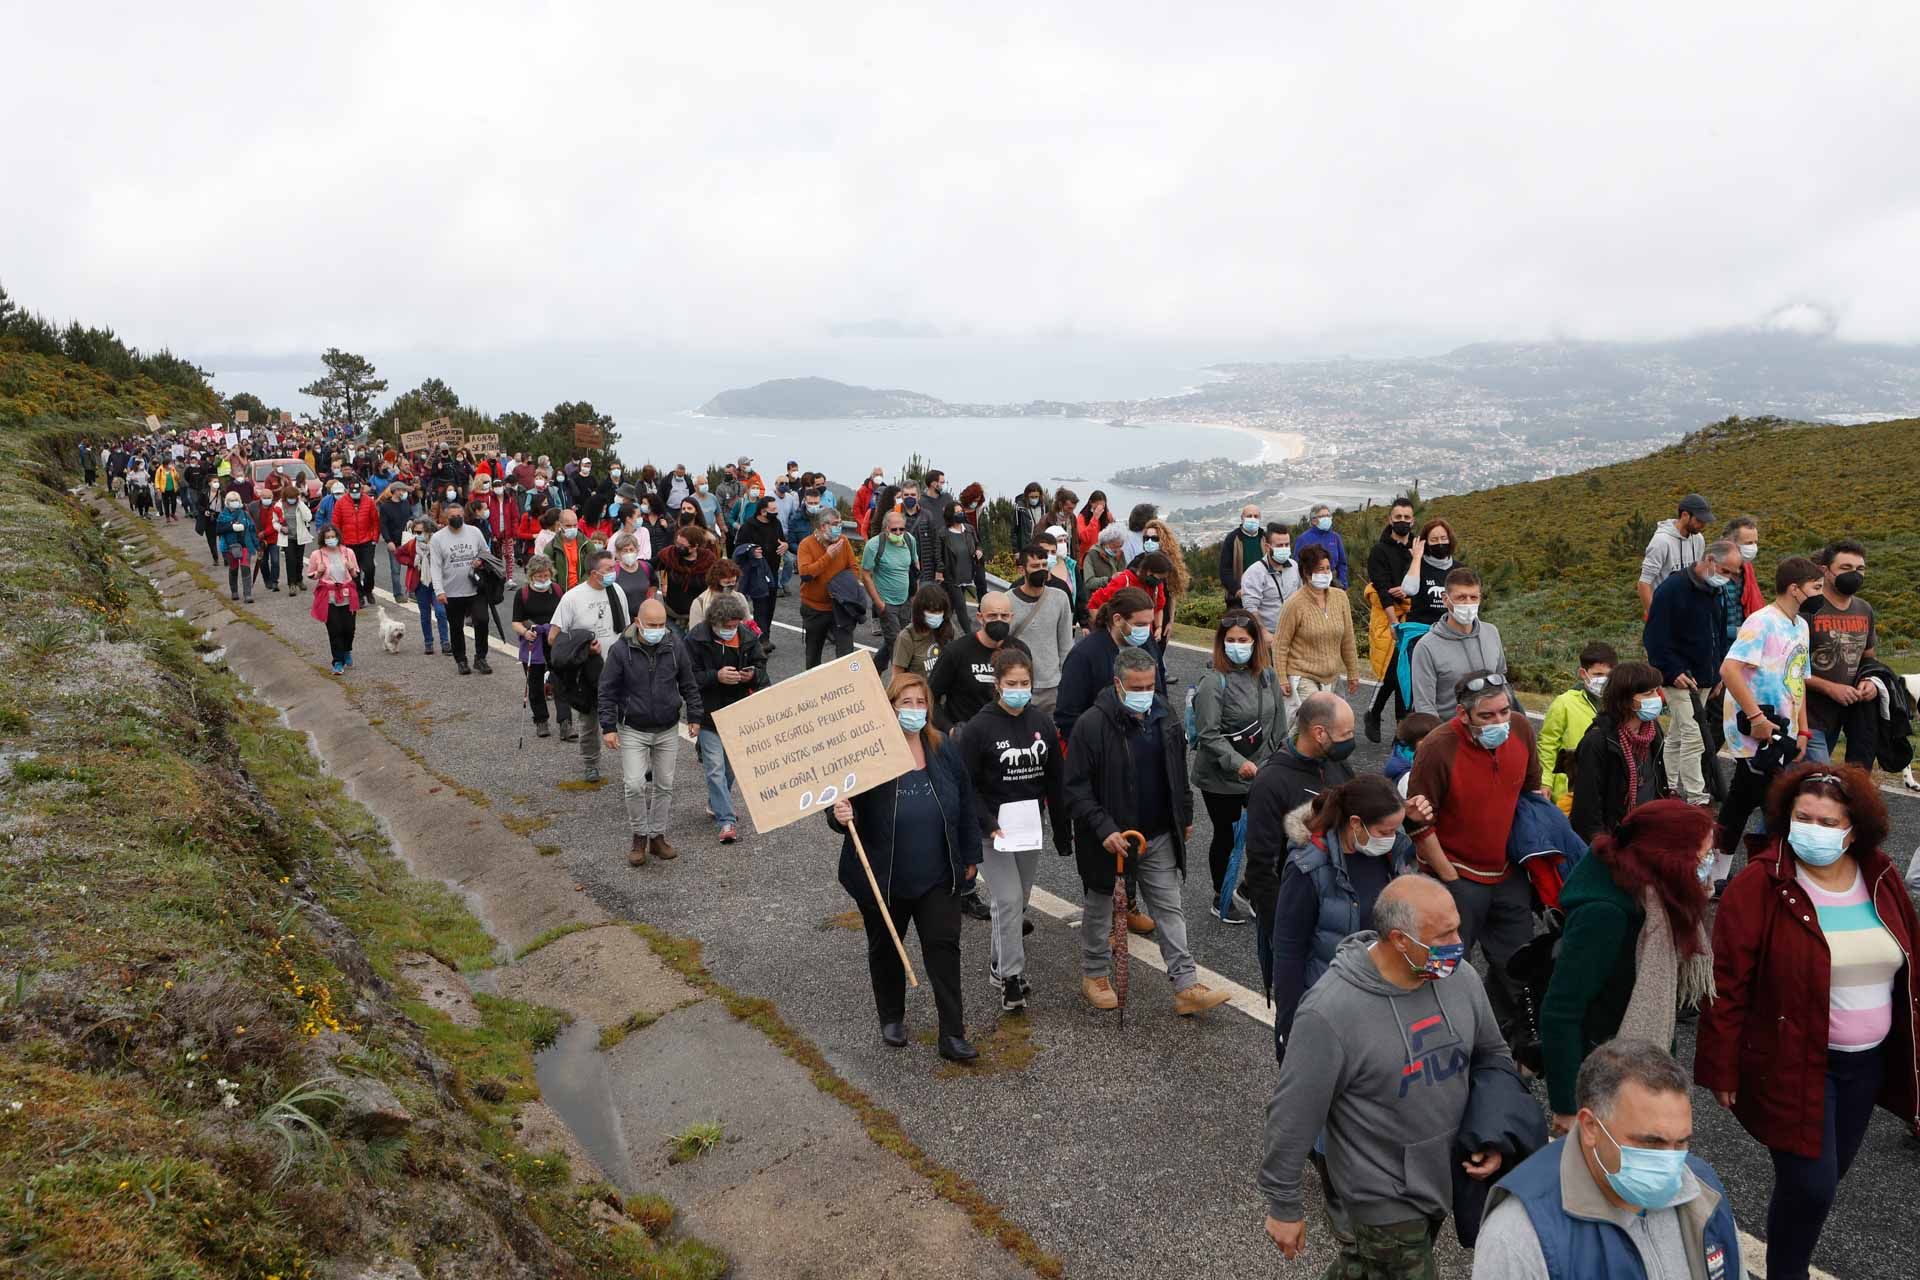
x=1696 y=506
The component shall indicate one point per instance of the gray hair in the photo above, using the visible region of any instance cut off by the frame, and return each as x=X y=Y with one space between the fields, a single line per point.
x=1738 y=523
x=1115 y=532
x=825 y=516
x=1319 y=507
x=1724 y=549
x=1132 y=659
x=1318 y=709
x=622 y=541
x=1616 y=1062
x=1396 y=914
x=725 y=609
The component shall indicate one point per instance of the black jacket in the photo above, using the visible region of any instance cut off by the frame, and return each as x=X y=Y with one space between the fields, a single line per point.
x=709 y=655
x=644 y=685
x=1100 y=787
x=1893 y=745
x=1286 y=781
x=394 y=517
x=1501 y=1116
x=1013 y=758
x=873 y=813
x=962 y=678
x=1387 y=564
x=1600 y=798
x=1086 y=670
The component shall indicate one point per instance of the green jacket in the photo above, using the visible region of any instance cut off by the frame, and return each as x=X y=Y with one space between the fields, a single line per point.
x=1566 y=723
x=1593 y=978
x=557 y=555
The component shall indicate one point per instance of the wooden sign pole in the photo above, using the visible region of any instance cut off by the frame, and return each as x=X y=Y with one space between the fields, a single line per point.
x=881 y=902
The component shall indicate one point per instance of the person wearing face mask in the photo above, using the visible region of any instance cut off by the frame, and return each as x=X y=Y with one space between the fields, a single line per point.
x=886 y=565
x=1123 y=621
x=571 y=551
x=1816 y=1008
x=1011 y=751
x=239 y=540
x=1312 y=762
x=648 y=680
x=1634 y=947
x=1149 y=573
x=1135 y=541
x=919 y=834
x=455 y=551
x=396 y=514
x=297 y=527
x=533 y=609
x=1314 y=640
x=1268 y=585
x=1685 y=637
x=822 y=556
x=1742 y=597
x=729 y=666
x=864 y=498
x=954 y=559
x=1029 y=513
x=1344 y=847
x=632 y=574
x=417 y=563
x=1388 y=600
x=723 y=583
x=1382 y=1054
x=1319 y=533
x=917 y=648
x=1127 y=772
x=1104 y=560
x=1243 y=546
x=1624 y=1198
x=1043 y=621
x=1472 y=770
x=758 y=550
x=684 y=566
x=962 y=680
x=1620 y=762
x=1238 y=719
x=1568 y=717
x=1842 y=637
x=1459 y=643
x=336 y=594
x=356 y=517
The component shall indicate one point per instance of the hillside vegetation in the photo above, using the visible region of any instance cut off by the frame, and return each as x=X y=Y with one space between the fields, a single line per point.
x=1561 y=555
x=35 y=385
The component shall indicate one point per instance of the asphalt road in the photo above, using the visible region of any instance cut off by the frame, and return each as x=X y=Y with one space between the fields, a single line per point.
x=1126 y=1152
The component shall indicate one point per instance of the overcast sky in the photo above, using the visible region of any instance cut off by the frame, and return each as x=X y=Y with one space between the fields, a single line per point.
x=395 y=176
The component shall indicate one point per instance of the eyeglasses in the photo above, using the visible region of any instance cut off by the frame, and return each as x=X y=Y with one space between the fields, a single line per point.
x=1237 y=618
x=1493 y=679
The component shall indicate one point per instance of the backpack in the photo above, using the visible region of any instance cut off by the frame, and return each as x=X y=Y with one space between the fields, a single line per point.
x=1244 y=740
x=1193 y=726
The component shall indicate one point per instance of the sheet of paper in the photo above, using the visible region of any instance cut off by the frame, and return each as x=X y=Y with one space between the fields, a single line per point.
x=1019 y=827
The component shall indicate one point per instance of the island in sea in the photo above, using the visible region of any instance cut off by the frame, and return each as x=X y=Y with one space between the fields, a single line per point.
x=1192 y=475
x=825 y=398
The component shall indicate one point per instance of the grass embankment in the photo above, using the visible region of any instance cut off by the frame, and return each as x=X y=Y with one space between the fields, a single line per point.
x=208 y=1063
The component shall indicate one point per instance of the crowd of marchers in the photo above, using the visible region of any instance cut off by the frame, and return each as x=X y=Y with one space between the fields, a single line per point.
x=1676 y=841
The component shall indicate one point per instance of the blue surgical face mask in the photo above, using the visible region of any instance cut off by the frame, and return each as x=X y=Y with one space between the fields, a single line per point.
x=1239 y=652
x=912 y=719
x=1649 y=1177
x=1250 y=526
x=1139 y=635
x=1491 y=736
x=1138 y=701
x=1149 y=544
x=1818 y=845
x=725 y=633
x=1016 y=699
x=1323 y=523
x=934 y=620
x=1705 y=871
x=831 y=533
x=652 y=635
x=1650 y=708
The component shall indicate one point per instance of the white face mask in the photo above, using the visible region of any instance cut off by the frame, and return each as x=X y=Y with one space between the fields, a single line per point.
x=1323 y=579
x=1596 y=685
x=1465 y=614
x=1378 y=846
x=1748 y=550
x=630 y=561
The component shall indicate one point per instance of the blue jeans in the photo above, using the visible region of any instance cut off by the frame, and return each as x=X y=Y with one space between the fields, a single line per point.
x=395 y=578
x=431 y=611
x=719 y=771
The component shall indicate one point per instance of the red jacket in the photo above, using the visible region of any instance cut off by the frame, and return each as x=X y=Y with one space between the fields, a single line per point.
x=357 y=522
x=1764 y=1035
x=1474 y=792
x=1127 y=578
x=1752 y=600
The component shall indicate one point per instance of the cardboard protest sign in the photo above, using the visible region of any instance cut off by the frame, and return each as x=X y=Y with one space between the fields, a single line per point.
x=588 y=436
x=414 y=441
x=818 y=737
x=153 y=423
x=490 y=443
x=239 y=415
x=286 y=418
x=441 y=431
x=233 y=440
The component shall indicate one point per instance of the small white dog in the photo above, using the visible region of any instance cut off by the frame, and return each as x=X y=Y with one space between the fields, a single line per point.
x=392 y=632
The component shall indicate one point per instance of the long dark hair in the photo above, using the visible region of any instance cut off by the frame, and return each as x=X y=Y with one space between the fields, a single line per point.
x=933 y=599
x=1658 y=845
x=1625 y=684
x=1106 y=511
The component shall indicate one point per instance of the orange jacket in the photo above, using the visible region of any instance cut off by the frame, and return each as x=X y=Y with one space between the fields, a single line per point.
x=816 y=565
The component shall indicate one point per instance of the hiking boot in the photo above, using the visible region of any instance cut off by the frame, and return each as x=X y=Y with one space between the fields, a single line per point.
x=661 y=849
x=973 y=906
x=461 y=663
x=1013 y=996
x=637 y=855
x=568 y=733
x=729 y=833
x=1197 y=998
x=1099 y=993
x=591 y=774
x=479 y=664
x=1139 y=921
x=1373 y=726
x=1231 y=917
x=540 y=730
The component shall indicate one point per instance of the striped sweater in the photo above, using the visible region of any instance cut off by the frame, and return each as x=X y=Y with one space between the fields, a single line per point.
x=1865 y=960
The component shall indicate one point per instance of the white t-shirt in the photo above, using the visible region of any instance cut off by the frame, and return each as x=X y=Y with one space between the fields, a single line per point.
x=585 y=605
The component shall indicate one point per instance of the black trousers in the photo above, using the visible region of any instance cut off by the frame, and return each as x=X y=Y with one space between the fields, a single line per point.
x=1500 y=918
x=340 y=626
x=936 y=914
x=818 y=624
x=1860 y=724
x=296 y=562
x=170 y=503
x=1803 y=1189
x=1746 y=793
x=537 y=696
x=1222 y=811
x=213 y=542
x=763 y=615
x=363 y=552
x=461 y=609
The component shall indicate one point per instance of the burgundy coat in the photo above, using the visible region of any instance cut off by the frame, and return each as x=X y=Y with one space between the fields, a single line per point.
x=1764 y=1035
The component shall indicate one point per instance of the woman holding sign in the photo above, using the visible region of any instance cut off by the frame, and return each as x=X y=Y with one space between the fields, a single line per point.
x=919 y=834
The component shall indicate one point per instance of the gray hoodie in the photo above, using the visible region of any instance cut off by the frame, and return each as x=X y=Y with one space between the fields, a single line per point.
x=1444 y=655
x=1668 y=553
x=1384 y=1071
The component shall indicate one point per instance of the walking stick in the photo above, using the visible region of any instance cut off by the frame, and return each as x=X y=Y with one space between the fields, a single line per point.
x=1117 y=935
x=881 y=902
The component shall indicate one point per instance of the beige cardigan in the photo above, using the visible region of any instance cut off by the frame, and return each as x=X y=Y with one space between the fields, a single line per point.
x=1313 y=641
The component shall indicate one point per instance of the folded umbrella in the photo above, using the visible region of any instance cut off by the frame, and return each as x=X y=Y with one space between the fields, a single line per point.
x=1117 y=935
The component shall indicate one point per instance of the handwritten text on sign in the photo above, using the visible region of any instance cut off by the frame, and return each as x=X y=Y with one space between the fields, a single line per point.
x=821 y=736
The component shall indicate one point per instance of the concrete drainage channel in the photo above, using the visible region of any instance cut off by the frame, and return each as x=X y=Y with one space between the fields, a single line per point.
x=650 y=1052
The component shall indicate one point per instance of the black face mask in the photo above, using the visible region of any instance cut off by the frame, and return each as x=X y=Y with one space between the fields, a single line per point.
x=454 y=522
x=1037 y=579
x=1439 y=550
x=998 y=631
x=1338 y=751
x=1401 y=530
x=1148 y=584
x=1850 y=582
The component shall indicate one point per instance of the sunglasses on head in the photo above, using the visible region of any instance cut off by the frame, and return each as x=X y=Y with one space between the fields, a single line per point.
x=1831 y=778
x=1237 y=618
x=1493 y=679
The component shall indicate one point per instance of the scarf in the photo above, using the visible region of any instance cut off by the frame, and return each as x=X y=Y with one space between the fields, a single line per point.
x=1662 y=981
x=1636 y=744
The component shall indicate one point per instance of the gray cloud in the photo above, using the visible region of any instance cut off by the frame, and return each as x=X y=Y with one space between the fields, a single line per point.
x=476 y=177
